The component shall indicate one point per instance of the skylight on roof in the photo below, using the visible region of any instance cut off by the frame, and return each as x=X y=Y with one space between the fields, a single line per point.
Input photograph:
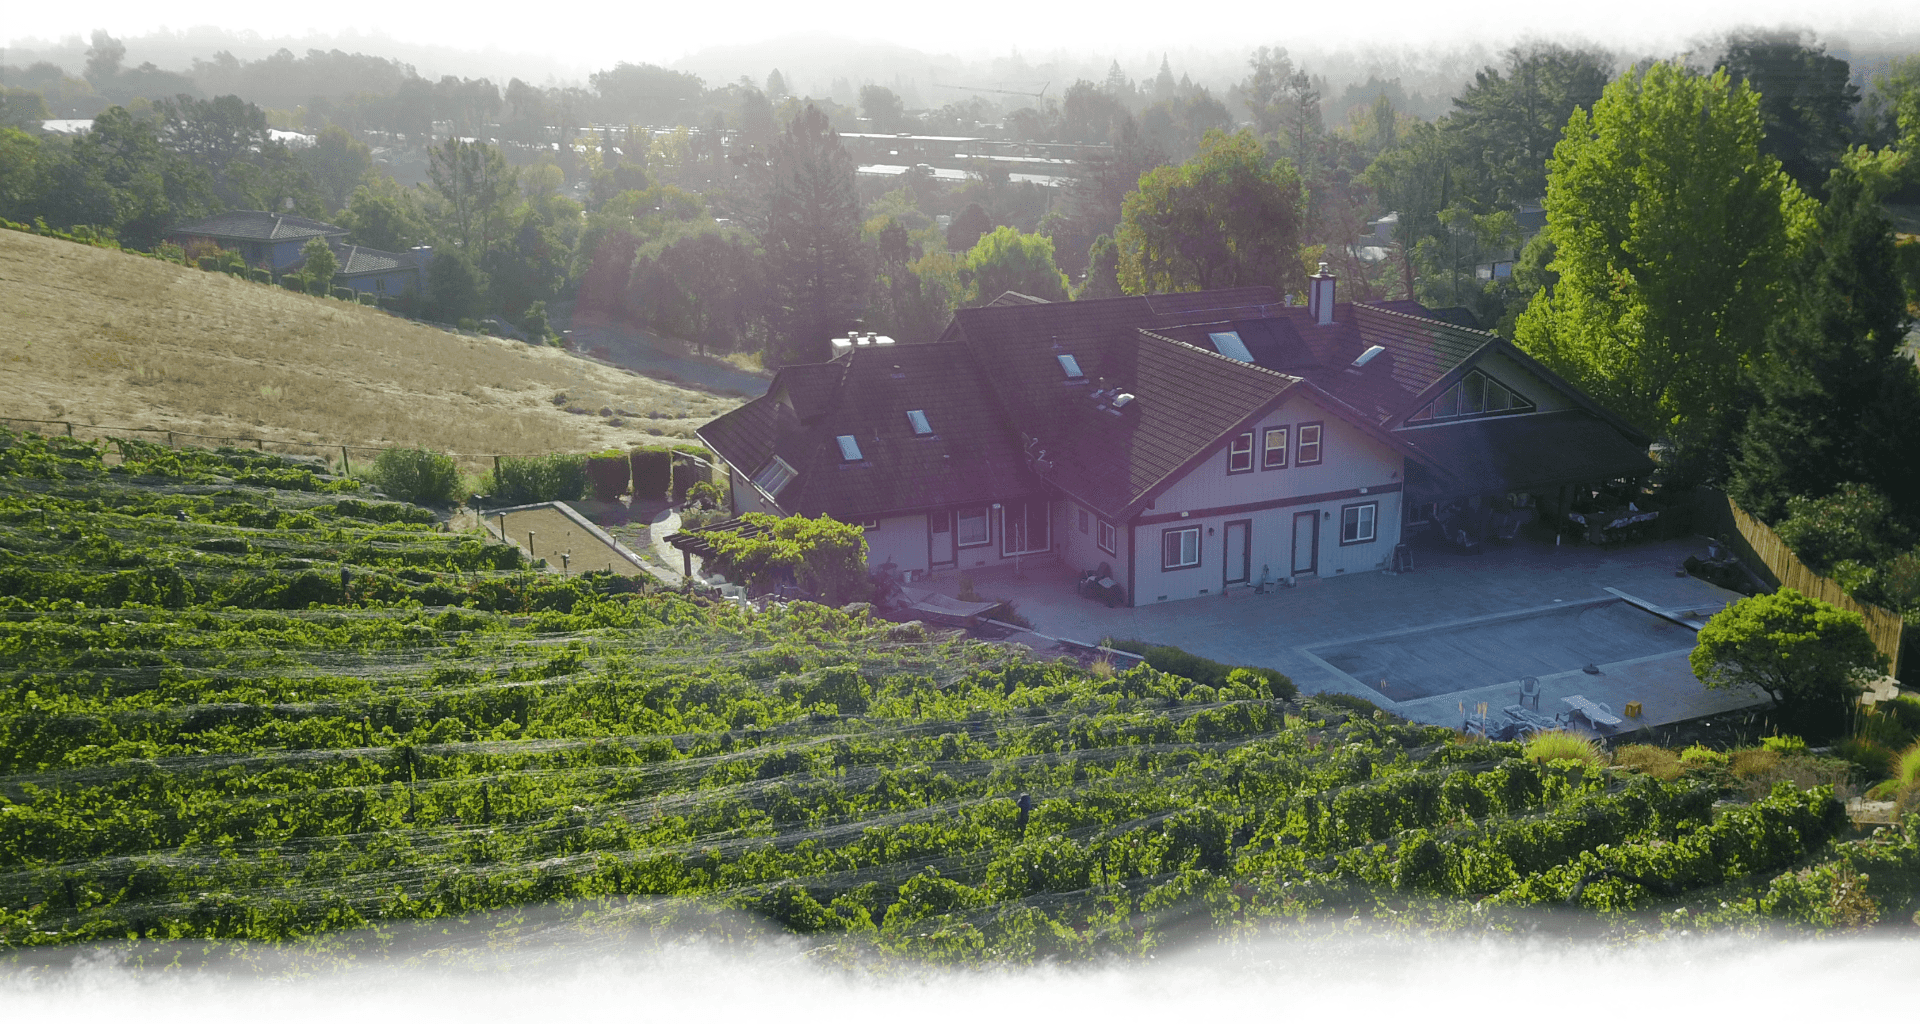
x=918 y=418
x=1228 y=344
x=1071 y=366
x=1367 y=356
x=849 y=448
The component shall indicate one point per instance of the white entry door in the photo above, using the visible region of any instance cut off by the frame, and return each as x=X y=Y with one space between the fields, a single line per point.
x=1306 y=543
x=1237 y=563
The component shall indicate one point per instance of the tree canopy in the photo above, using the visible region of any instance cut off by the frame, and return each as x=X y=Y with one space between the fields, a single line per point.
x=1672 y=232
x=1005 y=260
x=1227 y=217
x=1838 y=401
x=1809 y=656
x=813 y=239
x=1806 y=101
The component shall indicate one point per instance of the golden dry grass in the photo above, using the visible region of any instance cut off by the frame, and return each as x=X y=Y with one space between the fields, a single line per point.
x=104 y=338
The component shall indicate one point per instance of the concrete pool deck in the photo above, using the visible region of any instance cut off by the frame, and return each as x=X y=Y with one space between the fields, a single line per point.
x=1485 y=619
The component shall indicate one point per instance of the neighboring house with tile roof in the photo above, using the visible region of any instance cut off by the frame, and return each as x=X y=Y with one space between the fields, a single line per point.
x=372 y=270
x=271 y=240
x=1193 y=442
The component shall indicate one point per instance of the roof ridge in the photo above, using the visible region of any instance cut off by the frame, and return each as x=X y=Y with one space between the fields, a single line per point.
x=1151 y=333
x=1422 y=319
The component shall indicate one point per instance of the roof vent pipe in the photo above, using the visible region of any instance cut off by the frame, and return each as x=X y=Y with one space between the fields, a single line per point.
x=1320 y=296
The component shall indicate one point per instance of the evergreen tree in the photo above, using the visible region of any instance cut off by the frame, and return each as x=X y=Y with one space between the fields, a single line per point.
x=1103 y=271
x=1837 y=401
x=813 y=240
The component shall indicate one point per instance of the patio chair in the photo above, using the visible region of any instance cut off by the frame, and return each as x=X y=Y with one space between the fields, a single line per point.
x=1530 y=690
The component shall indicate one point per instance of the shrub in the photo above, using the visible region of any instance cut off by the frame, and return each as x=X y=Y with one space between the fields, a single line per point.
x=416 y=474
x=1809 y=656
x=608 y=473
x=1784 y=744
x=541 y=478
x=1657 y=762
x=1698 y=756
x=343 y=294
x=1750 y=762
x=652 y=472
x=1854 y=524
x=1871 y=758
x=1906 y=767
x=1564 y=746
x=261 y=275
x=293 y=282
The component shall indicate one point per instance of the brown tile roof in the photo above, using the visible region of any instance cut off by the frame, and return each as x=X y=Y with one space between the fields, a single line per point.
x=973 y=454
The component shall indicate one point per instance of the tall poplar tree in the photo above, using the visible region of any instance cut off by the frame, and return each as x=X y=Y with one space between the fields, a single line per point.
x=814 y=253
x=1672 y=234
x=1838 y=402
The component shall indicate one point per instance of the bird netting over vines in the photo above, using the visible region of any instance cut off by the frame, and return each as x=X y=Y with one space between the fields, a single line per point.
x=238 y=702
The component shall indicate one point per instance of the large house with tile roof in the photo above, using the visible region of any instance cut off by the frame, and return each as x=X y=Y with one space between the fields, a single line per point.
x=275 y=241
x=1190 y=442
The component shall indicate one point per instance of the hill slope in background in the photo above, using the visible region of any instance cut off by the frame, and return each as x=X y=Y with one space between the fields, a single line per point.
x=103 y=337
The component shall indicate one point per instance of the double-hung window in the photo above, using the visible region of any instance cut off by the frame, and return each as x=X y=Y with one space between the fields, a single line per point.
x=1275 y=454
x=1180 y=548
x=1240 y=454
x=1107 y=539
x=1307 y=452
x=1357 y=523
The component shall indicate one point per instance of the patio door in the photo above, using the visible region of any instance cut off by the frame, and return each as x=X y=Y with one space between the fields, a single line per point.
x=1306 y=543
x=940 y=549
x=1238 y=563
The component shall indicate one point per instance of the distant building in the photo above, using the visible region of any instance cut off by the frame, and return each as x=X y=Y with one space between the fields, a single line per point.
x=270 y=240
x=381 y=273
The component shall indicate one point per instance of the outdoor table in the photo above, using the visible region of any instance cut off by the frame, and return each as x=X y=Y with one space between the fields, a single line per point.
x=1617 y=519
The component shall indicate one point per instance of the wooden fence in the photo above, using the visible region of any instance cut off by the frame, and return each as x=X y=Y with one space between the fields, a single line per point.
x=1764 y=551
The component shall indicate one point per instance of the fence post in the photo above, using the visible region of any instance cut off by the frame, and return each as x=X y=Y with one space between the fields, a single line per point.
x=69 y=428
x=170 y=439
x=346 y=465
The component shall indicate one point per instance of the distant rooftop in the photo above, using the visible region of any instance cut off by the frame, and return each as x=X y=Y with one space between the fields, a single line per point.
x=258 y=226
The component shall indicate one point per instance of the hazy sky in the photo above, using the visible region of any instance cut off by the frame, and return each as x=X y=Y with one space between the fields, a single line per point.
x=588 y=34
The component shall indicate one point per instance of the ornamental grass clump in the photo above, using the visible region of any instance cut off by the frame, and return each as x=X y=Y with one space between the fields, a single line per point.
x=1649 y=760
x=1564 y=746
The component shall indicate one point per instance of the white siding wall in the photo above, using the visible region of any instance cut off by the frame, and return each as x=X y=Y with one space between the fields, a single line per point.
x=1350 y=460
x=902 y=541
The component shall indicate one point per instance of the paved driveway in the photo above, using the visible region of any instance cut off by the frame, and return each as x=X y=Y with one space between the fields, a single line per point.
x=1457 y=631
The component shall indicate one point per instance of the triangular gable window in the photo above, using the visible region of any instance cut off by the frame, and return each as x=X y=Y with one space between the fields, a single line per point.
x=1476 y=394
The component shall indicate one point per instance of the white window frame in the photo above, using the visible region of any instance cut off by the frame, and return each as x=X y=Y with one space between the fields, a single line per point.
x=1188 y=556
x=776 y=467
x=1268 y=449
x=1301 y=444
x=960 y=517
x=1240 y=453
x=1108 y=539
x=1364 y=514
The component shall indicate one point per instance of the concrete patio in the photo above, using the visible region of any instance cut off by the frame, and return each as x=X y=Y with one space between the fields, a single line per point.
x=1458 y=630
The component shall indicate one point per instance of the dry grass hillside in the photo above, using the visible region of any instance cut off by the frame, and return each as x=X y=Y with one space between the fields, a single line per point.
x=105 y=338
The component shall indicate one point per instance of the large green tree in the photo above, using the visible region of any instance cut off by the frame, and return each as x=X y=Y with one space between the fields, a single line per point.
x=1005 y=260
x=1672 y=232
x=1809 y=656
x=1227 y=217
x=473 y=191
x=814 y=254
x=1837 y=399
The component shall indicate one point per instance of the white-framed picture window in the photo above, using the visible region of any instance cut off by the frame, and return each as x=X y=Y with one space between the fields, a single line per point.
x=1180 y=548
x=973 y=527
x=1358 y=523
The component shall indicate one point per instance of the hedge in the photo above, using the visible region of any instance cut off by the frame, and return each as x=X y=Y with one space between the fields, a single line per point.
x=1203 y=671
x=540 y=478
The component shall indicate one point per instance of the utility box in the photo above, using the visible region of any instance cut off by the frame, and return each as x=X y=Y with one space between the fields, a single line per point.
x=1632 y=709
